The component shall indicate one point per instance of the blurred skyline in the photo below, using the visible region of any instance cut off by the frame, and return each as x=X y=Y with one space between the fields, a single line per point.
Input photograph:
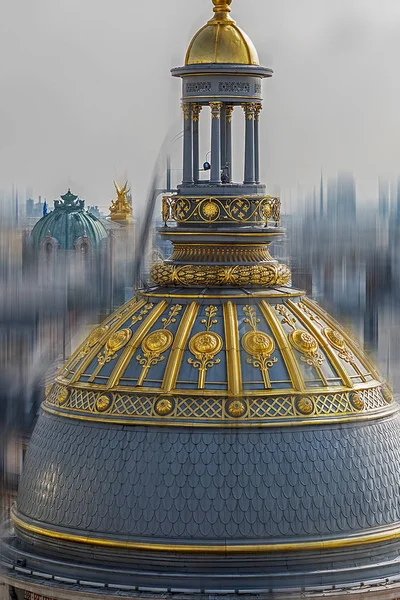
x=73 y=114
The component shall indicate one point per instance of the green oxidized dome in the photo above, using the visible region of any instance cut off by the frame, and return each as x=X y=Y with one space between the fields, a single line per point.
x=68 y=223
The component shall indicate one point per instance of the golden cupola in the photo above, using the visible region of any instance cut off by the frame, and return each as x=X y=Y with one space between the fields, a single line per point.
x=221 y=41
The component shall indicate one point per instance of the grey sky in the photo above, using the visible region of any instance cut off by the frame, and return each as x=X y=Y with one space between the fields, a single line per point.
x=87 y=96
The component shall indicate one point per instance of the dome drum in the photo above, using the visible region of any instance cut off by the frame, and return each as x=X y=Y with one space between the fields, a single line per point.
x=202 y=523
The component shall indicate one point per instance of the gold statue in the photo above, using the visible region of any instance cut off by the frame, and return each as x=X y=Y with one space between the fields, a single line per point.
x=121 y=209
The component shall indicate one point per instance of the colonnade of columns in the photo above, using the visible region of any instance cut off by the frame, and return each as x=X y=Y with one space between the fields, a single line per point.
x=221 y=141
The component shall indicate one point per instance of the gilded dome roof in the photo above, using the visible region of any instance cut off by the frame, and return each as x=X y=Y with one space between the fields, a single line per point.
x=269 y=359
x=221 y=41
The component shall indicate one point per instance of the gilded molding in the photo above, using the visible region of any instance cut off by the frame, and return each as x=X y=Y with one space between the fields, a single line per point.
x=216 y=253
x=211 y=409
x=266 y=293
x=309 y=320
x=178 y=348
x=263 y=275
x=284 y=346
x=372 y=537
x=235 y=386
x=361 y=356
x=134 y=343
x=109 y=326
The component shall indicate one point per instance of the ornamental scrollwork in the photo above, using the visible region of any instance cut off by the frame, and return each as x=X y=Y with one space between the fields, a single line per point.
x=208 y=209
x=288 y=318
x=155 y=343
x=205 y=345
x=335 y=340
x=308 y=347
x=117 y=340
x=259 y=345
x=142 y=313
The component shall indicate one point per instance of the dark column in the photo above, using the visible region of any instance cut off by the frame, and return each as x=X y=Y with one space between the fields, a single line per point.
x=249 y=110
x=228 y=134
x=257 y=112
x=223 y=136
x=215 y=142
x=187 y=144
x=196 y=108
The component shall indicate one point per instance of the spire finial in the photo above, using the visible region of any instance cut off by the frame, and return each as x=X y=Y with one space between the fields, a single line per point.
x=221 y=8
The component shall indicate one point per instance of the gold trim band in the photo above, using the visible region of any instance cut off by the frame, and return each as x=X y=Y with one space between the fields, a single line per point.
x=227 y=423
x=356 y=540
x=245 y=298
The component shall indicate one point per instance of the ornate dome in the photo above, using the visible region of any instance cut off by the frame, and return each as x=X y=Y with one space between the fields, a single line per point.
x=219 y=433
x=68 y=225
x=221 y=41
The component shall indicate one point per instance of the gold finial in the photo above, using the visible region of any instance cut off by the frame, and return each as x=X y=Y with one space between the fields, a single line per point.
x=120 y=209
x=221 y=9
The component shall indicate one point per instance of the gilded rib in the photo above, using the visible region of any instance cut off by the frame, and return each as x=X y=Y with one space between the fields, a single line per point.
x=334 y=360
x=362 y=357
x=234 y=368
x=88 y=359
x=178 y=348
x=284 y=346
x=134 y=343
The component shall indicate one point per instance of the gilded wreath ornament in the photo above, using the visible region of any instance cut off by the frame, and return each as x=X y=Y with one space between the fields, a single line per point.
x=260 y=275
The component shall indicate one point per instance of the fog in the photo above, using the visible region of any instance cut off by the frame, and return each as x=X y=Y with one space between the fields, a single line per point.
x=87 y=96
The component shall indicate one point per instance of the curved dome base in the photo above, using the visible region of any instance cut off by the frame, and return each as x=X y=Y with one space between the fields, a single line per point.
x=306 y=574
x=223 y=440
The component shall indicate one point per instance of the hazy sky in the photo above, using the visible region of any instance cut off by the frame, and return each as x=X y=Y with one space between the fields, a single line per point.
x=86 y=94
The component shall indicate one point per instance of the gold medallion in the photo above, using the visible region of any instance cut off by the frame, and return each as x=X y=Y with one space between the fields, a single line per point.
x=303 y=341
x=258 y=343
x=305 y=405
x=103 y=403
x=118 y=340
x=157 y=341
x=63 y=396
x=205 y=343
x=210 y=210
x=236 y=408
x=357 y=402
x=335 y=338
x=164 y=406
